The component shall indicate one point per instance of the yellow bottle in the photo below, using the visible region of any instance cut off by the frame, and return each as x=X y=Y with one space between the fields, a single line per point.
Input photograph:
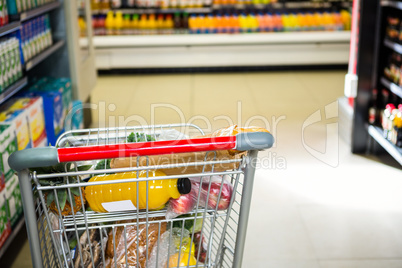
x=159 y=191
x=118 y=23
x=109 y=23
x=184 y=260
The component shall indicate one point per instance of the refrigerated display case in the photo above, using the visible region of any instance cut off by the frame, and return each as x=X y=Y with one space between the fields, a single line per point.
x=159 y=34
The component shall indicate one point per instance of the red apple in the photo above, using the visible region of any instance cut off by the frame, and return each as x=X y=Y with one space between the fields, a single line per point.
x=185 y=203
x=200 y=244
x=224 y=198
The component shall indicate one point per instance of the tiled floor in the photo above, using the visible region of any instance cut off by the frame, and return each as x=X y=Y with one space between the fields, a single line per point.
x=315 y=205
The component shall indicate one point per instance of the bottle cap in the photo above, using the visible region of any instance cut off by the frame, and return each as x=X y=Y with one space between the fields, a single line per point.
x=184 y=185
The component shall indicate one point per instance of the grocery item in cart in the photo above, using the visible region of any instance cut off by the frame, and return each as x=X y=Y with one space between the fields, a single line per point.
x=82 y=253
x=115 y=250
x=214 y=192
x=123 y=196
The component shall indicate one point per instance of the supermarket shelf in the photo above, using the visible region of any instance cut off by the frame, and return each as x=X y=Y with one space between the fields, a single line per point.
x=13 y=89
x=394 y=46
x=394 y=4
x=394 y=151
x=217 y=50
x=9 y=28
x=13 y=234
x=39 y=11
x=43 y=55
x=156 y=10
x=397 y=90
x=217 y=39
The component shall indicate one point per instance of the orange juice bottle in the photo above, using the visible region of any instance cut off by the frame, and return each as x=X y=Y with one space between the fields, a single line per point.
x=152 y=24
x=209 y=24
x=192 y=24
x=169 y=24
x=243 y=23
x=218 y=27
x=123 y=196
x=142 y=24
x=135 y=24
x=346 y=20
x=118 y=23
x=109 y=23
x=159 y=24
x=225 y=24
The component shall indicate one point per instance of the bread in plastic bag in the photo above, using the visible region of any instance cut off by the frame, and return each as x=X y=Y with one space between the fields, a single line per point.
x=219 y=197
x=85 y=259
x=118 y=258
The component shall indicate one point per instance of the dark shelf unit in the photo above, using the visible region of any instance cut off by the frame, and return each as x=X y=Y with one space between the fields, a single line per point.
x=13 y=89
x=13 y=234
x=27 y=15
x=9 y=28
x=29 y=65
x=373 y=49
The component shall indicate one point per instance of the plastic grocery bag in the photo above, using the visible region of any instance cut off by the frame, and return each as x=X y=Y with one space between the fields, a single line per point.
x=85 y=258
x=170 y=246
x=214 y=192
x=136 y=255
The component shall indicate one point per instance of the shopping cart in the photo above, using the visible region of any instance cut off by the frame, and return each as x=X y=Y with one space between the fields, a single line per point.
x=84 y=238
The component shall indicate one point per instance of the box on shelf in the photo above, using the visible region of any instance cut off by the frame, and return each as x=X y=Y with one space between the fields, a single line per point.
x=14 y=201
x=57 y=100
x=8 y=145
x=77 y=118
x=5 y=226
x=36 y=118
x=19 y=120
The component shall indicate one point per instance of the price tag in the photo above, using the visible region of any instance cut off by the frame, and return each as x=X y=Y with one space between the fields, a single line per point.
x=119 y=206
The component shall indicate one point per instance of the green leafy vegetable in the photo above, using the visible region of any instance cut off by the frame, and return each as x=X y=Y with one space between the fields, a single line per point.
x=139 y=137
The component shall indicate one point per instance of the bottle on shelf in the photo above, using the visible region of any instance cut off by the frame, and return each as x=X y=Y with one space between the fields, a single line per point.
x=373 y=110
x=109 y=23
x=118 y=23
x=135 y=24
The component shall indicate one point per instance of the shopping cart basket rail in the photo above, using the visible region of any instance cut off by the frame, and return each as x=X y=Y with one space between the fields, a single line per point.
x=48 y=156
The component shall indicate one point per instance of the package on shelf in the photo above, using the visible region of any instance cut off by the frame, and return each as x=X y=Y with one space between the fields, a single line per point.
x=77 y=116
x=10 y=62
x=33 y=106
x=17 y=6
x=36 y=35
x=13 y=196
x=19 y=120
x=8 y=145
x=3 y=13
x=57 y=102
x=5 y=225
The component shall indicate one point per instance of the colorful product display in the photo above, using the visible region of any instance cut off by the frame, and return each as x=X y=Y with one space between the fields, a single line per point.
x=119 y=24
x=4 y=19
x=8 y=145
x=5 y=226
x=18 y=6
x=33 y=107
x=57 y=103
x=36 y=35
x=386 y=111
x=13 y=195
x=393 y=70
x=19 y=120
x=10 y=63
x=393 y=29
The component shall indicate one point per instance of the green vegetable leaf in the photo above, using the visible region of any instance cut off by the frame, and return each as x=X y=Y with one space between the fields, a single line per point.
x=84 y=168
x=75 y=191
x=103 y=164
x=49 y=198
x=73 y=243
x=62 y=197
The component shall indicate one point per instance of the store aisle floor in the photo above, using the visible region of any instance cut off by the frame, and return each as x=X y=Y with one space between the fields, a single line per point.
x=315 y=205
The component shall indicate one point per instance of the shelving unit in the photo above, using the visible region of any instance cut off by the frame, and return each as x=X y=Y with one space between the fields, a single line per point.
x=13 y=234
x=373 y=50
x=395 y=152
x=300 y=48
x=397 y=90
x=13 y=89
x=9 y=28
x=43 y=55
x=27 y=15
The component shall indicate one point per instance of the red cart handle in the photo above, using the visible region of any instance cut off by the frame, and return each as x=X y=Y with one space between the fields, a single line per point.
x=49 y=156
x=145 y=148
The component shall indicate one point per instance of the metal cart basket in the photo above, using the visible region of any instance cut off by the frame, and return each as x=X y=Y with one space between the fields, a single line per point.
x=64 y=232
